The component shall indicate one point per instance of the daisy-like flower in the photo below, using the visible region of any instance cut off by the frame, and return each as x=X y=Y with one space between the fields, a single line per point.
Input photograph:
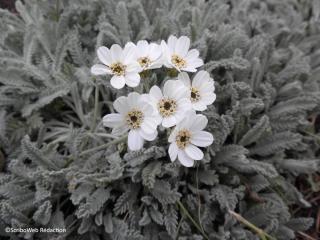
x=134 y=115
x=120 y=63
x=187 y=136
x=172 y=104
x=201 y=89
x=148 y=55
x=176 y=54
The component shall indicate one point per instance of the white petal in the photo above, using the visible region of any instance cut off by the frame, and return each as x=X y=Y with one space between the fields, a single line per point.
x=156 y=93
x=150 y=108
x=180 y=91
x=132 y=79
x=146 y=107
x=166 y=54
x=116 y=52
x=184 y=104
x=135 y=141
x=184 y=159
x=130 y=44
x=99 y=69
x=168 y=64
x=208 y=99
x=175 y=89
x=154 y=65
x=172 y=40
x=133 y=99
x=199 y=106
x=120 y=130
x=201 y=138
x=158 y=118
x=104 y=55
x=145 y=98
x=154 y=51
x=192 y=54
x=169 y=121
x=117 y=81
x=198 y=122
x=164 y=48
x=208 y=85
x=129 y=53
x=189 y=69
x=206 y=88
x=200 y=78
x=193 y=152
x=173 y=151
x=180 y=115
x=133 y=67
x=168 y=87
x=149 y=125
x=173 y=135
x=142 y=48
x=195 y=63
x=183 y=112
x=148 y=136
x=184 y=77
x=121 y=105
x=112 y=120
x=182 y=46
x=186 y=121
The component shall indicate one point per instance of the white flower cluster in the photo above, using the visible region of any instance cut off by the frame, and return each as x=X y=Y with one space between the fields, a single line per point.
x=174 y=105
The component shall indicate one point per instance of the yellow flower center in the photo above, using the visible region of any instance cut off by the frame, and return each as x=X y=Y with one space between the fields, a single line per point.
x=178 y=61
x=134 y=118
x=118 y=69
x=167 y=107
x=144 y=62
x=195 y=94
x=183 y=138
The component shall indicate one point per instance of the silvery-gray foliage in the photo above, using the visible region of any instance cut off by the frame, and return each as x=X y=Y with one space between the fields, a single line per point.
x=265 y=59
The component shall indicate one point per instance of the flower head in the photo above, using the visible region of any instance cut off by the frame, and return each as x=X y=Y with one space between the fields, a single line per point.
x=187 y=136
x=201 y=89
x=176 y=54
x=120 y=63
x=148 y=55
x=171 y=104
x=134 y=115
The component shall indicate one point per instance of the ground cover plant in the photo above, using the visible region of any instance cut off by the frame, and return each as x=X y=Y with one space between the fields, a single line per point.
x=65 y=165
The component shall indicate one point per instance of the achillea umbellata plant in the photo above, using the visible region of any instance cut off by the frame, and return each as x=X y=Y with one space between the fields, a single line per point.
x=62 y=168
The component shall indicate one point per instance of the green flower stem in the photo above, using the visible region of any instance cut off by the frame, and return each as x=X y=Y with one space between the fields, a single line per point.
x=262 y=234
x=186 y=213
x=95 y=115
x=312 y=135
x=179 y=226
x=199 y=200
x=96 y=108
x=101 y=147
x=104 y=146
x=57 y=10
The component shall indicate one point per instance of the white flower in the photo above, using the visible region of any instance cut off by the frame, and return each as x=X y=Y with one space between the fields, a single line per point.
x=120 y=63
x=176 y=54
x=187 y=136
x=172 y=104
x=201 y=89
x=148 y=55
x=134 y=115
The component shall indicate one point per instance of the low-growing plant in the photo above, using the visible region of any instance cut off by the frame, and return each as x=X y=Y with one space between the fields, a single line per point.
x=62 y=168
